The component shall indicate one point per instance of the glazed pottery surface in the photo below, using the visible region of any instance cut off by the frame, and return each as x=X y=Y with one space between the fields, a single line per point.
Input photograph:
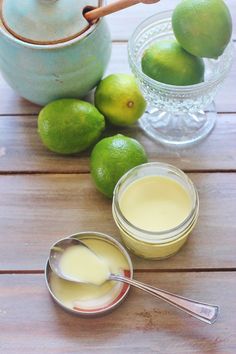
x=43 y=73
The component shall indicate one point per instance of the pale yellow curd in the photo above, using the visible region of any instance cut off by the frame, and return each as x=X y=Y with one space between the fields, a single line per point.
x=88 y=296
x=80 y=264
x=155 y=203
x=155 y=207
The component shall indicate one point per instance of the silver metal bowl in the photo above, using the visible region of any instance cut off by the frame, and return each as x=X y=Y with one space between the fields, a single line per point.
x=115 y=299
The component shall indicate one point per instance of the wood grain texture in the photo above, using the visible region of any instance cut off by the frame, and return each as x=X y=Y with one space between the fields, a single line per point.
x=37 y=210
x=11 y=103
x=123 y=23
x=22 y=151
x=32 y=323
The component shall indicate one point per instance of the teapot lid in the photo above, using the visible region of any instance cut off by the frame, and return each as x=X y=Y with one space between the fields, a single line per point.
x=45 y=21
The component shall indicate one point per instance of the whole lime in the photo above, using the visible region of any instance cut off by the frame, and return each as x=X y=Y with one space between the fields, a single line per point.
x=166 y=61
x=68 y=126
x=202 y=27
x=111 y=158
x=119 y=99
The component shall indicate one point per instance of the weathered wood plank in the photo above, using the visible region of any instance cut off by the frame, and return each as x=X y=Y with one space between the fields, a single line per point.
x=11 y=103
x=32 y=323
x=37 y=210
x=123 y=23
x=22 y=150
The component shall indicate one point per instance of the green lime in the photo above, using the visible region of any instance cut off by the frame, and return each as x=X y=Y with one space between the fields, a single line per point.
x=119 y=99
x=111 y=158
x=68 y=126
x=166 y=61
x=202 y=27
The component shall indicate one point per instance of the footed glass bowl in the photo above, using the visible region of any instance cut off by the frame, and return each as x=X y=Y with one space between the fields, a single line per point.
x=176 y=115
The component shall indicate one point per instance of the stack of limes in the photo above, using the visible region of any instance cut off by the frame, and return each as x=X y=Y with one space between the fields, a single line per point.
x=203 y=29
x=69 y=126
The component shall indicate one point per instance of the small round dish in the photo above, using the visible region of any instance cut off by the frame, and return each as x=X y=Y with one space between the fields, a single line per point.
x=176 y=115
x=156 y=243
x=90 y=300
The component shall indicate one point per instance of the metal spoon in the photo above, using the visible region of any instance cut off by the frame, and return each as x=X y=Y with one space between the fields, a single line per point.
x=204 y=312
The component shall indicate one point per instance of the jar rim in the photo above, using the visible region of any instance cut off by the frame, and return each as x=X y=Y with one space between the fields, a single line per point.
x=169 y=234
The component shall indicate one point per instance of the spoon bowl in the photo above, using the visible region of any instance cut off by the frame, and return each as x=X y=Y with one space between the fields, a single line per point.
x=57 y=250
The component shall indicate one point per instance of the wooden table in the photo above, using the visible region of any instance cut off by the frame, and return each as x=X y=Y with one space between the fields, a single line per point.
x=44 y=196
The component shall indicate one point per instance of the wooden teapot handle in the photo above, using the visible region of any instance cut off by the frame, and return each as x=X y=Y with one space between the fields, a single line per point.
x=118 y=5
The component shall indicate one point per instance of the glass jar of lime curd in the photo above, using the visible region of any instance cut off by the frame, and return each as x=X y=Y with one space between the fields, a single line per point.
x=155 y=207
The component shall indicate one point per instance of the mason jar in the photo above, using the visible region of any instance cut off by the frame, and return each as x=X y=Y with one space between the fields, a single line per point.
x=155 y=244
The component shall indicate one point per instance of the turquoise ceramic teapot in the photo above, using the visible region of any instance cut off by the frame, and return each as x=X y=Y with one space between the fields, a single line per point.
x=48 y=50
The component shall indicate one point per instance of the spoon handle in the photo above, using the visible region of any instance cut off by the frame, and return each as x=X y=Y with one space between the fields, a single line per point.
x=115 y=6
x=204 y=312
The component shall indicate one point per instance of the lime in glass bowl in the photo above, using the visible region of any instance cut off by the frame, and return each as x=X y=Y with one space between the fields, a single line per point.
x=176 y=115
